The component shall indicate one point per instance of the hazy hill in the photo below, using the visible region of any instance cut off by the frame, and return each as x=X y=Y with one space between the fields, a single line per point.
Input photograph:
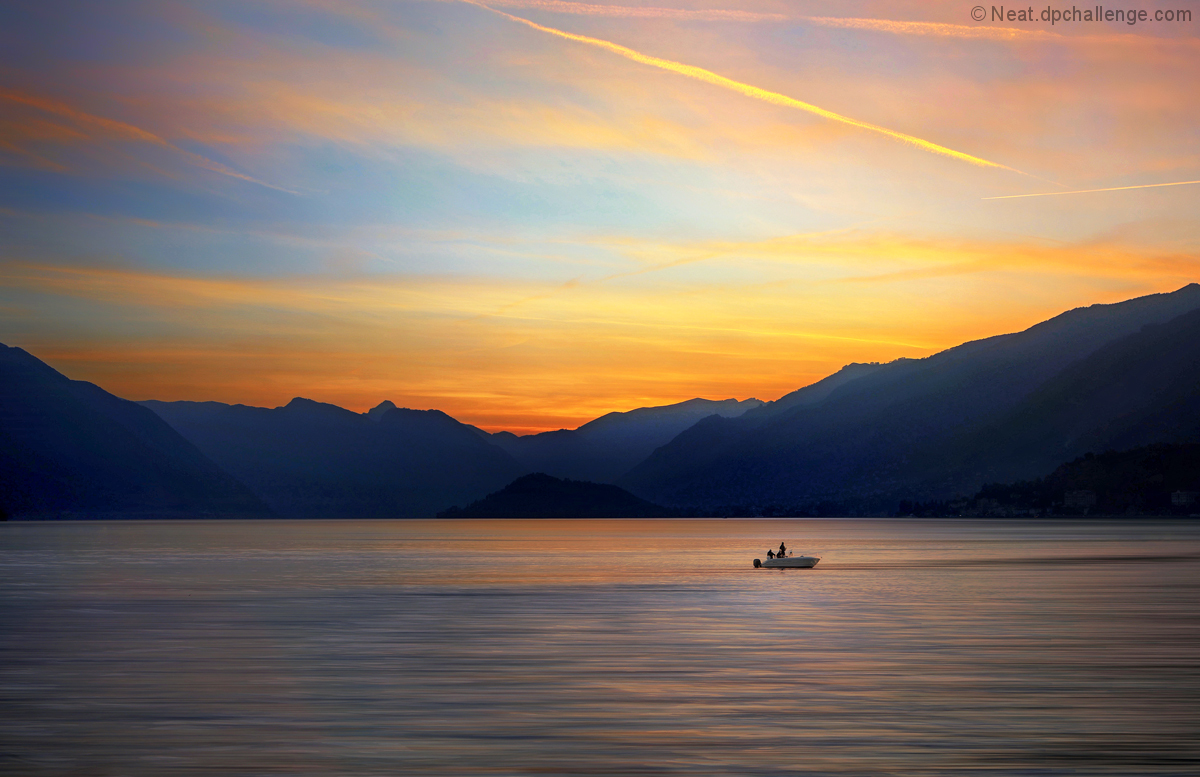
x=542 y=496
x=1135 y=391
x=815 y=392
x=67 y=445
x=925 y=428
x=314 y=460
x=1139 y=481
x=606 y=448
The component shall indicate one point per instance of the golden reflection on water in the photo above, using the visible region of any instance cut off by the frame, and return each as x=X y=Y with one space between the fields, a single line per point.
x=599 y=647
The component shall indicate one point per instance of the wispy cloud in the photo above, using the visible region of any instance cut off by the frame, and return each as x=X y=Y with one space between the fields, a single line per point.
x=933 y=28
x=700 y=74
x=642 y=12
x=716 y=318
x=988 y=32
x=111 y=128
x=30 y=157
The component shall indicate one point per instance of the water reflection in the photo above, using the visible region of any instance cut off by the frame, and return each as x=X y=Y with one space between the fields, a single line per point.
x=599 y=647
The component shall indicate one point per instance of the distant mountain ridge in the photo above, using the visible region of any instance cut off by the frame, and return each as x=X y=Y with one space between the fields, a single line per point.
x=606 y=448
x=310 y=459
x=1000 y=409
x=814 y=392
x=68 y=446
x=314 y=460
x=541 y=496
x=920 y=428
x=1161 y=479
x=1135 y=391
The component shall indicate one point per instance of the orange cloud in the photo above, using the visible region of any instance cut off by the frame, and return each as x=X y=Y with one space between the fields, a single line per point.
x=385 y=121
x=933 y=28
x=708 y=318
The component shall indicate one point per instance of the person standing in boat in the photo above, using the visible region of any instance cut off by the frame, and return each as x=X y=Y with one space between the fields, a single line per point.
x=782 y=550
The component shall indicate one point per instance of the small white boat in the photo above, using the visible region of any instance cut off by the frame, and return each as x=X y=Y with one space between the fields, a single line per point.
x=787 y=562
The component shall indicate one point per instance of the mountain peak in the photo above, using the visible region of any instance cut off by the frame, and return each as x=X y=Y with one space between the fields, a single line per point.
x=314 y=409
x=377 y=412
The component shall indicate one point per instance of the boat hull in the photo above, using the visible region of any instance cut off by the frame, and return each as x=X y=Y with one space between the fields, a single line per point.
x=791 y=562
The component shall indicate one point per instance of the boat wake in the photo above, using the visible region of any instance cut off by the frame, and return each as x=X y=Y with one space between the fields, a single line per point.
x=1020 y=561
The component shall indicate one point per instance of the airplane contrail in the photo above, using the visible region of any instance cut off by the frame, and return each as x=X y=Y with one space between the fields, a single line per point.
x=895 y=27
x=1089 y=191
x=710 y=77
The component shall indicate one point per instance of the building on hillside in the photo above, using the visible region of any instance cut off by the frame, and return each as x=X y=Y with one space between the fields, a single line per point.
x=1079 y=500
x=1184 y=498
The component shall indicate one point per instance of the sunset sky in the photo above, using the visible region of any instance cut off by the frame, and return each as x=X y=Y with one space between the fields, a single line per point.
x=529 y=213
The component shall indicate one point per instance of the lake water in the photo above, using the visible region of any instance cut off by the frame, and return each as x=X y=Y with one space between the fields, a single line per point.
x=599 y=647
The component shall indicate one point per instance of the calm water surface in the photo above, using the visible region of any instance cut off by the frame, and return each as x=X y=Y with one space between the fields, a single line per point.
x=599 y=647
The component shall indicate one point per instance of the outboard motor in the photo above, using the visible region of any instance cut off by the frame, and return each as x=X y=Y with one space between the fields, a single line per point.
x=757 y=564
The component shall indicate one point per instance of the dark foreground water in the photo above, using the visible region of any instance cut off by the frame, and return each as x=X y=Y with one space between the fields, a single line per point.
x=599 y=647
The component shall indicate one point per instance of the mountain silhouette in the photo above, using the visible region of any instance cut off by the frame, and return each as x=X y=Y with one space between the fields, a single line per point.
x=606 y=448
x=1002 y=409
x=1135 y=391
x=314 y=460
x=1159 y=479
x=813 y=393
x=541 y=496
x=68 y=446
x=379 y=410
x=1005 y=407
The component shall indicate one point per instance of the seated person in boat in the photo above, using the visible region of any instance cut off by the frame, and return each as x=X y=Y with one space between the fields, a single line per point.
x=770 y=554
